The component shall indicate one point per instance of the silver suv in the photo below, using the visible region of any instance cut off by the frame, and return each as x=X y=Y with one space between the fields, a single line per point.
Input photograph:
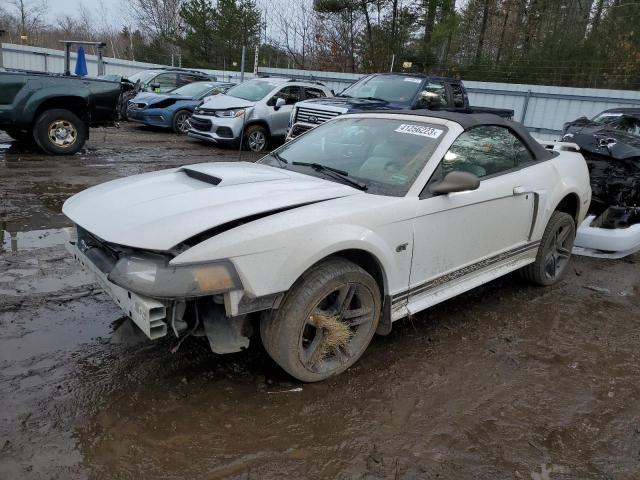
x=255 y=111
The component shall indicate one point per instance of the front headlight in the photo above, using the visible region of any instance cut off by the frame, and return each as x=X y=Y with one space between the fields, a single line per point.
x=151 y=275
x=229 y=113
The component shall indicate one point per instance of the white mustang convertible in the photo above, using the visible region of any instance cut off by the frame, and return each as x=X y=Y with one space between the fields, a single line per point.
x=361 y=221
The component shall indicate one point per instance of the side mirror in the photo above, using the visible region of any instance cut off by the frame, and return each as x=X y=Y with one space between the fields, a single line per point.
x=455 y=182
x=280 y=102
x=155 y=87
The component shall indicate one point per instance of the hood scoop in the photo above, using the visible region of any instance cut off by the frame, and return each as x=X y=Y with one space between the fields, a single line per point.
x=225 y=174
x=203 y=177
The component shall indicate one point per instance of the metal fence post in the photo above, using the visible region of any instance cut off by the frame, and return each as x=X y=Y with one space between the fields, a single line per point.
x=525 y=106
x=244 y=51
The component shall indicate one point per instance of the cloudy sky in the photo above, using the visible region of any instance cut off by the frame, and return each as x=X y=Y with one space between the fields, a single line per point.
x=70 y=7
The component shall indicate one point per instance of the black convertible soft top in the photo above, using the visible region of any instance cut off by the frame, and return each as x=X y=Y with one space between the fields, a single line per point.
x=471 y=120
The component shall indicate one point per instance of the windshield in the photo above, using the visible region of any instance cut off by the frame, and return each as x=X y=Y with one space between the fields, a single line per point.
x=391 y=88
x=145 y=76
x=194 y=90
x=253 y=90
x=385 y=154
x=619 y=121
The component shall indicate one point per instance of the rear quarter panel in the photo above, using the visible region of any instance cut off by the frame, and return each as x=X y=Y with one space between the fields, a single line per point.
x=553 y=180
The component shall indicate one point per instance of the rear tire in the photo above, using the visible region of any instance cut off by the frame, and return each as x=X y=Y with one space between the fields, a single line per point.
x=60 y=132
x=256 y=138
x=325 y=322
x=554 y=251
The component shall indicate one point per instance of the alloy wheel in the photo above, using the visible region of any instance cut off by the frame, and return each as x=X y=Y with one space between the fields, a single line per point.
x=257 y=141
x=559 y=252
x=337 y=328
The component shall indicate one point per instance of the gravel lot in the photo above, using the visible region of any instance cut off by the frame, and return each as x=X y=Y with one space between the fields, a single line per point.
x=506 y=381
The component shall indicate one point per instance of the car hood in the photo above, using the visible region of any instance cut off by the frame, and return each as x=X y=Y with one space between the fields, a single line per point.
x=356 y=104
x=223 y=102
x=159 y=210
x=592 y=137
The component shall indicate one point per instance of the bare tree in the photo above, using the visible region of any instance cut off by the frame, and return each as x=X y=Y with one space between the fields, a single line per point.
x=160 y=18
x=297 y=31
x=29 y=13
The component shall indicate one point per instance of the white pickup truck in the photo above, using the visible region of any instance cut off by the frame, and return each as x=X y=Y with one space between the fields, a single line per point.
x=327 y=240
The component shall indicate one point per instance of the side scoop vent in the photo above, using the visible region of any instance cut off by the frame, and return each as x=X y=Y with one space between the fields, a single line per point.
x=203 y=177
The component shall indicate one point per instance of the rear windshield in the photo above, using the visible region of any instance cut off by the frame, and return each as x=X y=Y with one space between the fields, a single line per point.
x=391 y=88
x=253 y=90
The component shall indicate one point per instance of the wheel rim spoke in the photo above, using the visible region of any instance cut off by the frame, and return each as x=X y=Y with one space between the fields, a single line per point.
x=345 y=296
x=357 y=316
x=314 y=352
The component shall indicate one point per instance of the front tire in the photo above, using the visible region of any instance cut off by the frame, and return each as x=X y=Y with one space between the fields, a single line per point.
x=256 y=138
x=181 y=122
x=554 y=252
x=325 y=322
x=60 y=132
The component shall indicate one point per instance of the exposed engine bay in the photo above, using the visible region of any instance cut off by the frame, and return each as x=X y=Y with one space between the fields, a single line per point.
x=610 y=143
x=615 y=188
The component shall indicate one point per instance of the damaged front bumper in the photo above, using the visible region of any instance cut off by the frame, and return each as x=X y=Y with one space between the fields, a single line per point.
x=149 y=314
x=595 y=241
x=223 y=317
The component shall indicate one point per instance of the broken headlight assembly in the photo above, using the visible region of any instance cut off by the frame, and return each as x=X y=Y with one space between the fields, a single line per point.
x=152 y=275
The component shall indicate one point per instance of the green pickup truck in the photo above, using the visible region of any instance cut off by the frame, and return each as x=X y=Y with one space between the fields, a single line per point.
x=54 y=112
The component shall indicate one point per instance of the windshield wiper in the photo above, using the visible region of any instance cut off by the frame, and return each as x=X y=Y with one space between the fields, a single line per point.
x=375 y=98
x=335 y=173
x=277 y=156
x=344 y=95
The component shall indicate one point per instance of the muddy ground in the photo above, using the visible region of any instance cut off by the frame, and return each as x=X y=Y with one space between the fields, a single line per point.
x=507 y=381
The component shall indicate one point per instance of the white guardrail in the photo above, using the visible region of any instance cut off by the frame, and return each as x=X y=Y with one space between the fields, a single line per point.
x=542 y=109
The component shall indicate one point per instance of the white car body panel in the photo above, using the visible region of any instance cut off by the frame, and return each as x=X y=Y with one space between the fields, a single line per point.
x=429 y=249
x=592 y=241
x=135 y=211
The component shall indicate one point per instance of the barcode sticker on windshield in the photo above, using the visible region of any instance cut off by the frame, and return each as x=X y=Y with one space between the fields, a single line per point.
x=419 y=130
x=412 y=80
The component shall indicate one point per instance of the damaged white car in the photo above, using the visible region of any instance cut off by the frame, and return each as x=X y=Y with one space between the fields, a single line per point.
x=327 y=240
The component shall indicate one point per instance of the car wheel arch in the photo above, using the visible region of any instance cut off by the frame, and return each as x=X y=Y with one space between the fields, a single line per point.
x=570 y=204
x=262 y=123
x=364 y=259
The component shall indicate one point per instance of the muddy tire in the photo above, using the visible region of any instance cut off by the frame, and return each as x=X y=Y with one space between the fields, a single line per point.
x=180 y=122
x=256 y=138
x=325 y=322
x=554 y=252
x=60 y=132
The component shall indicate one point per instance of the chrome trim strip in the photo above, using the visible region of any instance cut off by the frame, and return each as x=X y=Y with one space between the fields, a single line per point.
x=461 y=272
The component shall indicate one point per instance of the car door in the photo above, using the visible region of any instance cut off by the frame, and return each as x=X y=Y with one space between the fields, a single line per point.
x=279 y=117
x=458 y=234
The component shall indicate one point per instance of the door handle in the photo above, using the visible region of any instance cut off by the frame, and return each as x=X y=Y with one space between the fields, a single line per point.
x=519 y=190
